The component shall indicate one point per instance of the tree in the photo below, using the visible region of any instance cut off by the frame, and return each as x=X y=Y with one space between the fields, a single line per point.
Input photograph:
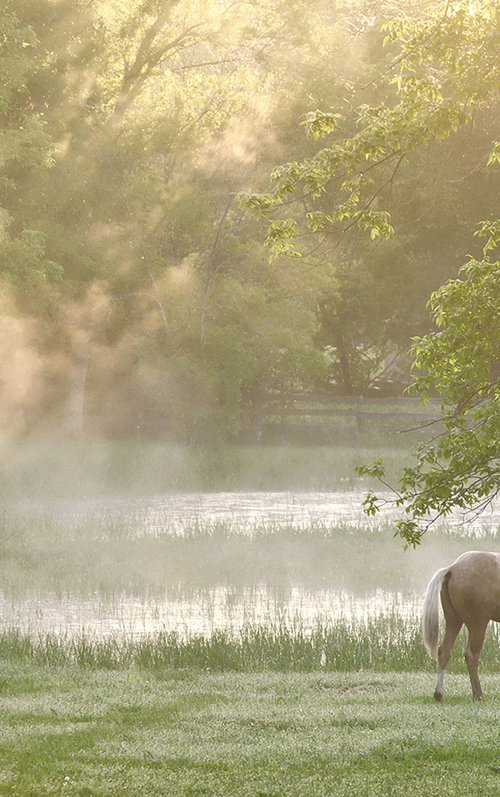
x=444 y=73
x=127 y=132
x=460 y=362
x=25 y=154
x=414 y=160
x=445 y=70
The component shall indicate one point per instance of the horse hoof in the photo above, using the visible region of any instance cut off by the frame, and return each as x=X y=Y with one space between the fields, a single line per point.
x=438 y=696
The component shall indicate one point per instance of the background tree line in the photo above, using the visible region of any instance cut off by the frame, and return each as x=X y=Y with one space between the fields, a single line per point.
x=136 y=282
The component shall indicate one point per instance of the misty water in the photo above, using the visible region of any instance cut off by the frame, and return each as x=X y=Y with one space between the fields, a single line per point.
x=243 y=512
x=196 y=562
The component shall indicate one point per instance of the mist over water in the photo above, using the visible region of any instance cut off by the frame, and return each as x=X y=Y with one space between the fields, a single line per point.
x=247 y=512
x=119 y=564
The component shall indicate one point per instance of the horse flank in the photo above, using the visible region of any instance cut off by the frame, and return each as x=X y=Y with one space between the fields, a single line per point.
x=430 y=619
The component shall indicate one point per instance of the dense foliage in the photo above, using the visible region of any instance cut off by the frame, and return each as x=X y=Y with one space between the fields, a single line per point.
x=138 y=289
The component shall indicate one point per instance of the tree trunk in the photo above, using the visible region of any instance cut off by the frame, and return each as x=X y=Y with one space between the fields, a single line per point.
x=345 y=365
x=74 y=420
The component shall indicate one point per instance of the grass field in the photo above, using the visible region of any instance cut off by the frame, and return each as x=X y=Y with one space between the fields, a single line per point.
x=132 y=733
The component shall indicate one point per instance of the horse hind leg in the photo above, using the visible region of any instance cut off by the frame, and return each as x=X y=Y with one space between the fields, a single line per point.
x=472 y=654
x=453 y=625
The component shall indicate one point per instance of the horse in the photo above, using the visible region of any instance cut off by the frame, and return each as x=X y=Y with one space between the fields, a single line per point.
x=470 y=595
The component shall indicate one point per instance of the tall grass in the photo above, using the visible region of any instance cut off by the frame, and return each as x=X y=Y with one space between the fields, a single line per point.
x=383 y=644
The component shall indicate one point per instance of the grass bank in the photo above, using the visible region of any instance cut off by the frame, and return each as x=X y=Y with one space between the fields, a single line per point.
x=381 y=644
x=186 y=734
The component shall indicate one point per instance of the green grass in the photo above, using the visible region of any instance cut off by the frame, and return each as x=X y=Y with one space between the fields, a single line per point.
x=132 y=732
x=384 y=643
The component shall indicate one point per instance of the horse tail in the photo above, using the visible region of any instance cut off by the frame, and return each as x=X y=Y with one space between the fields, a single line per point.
x=430 y=619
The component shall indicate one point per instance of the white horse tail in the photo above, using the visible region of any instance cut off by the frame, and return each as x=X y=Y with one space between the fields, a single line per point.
x=430 y=619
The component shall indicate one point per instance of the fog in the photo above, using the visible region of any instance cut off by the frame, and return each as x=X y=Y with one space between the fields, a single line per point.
x=111 y=539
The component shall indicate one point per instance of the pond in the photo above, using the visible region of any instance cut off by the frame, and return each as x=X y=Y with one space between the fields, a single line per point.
x=197 y=562
x=242 y=512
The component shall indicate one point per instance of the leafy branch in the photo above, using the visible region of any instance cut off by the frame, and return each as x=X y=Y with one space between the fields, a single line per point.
x=460 y=467
x=446 y=72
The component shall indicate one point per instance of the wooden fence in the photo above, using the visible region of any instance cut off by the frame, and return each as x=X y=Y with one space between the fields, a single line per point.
x=316 y=414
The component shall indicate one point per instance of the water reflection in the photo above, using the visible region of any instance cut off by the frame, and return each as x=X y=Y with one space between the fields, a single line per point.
x=209 y=610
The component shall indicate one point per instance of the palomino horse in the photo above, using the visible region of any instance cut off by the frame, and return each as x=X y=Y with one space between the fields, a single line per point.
x=470 y=594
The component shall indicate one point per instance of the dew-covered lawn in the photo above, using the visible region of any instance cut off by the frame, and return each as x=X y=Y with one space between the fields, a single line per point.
x=130 y=732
